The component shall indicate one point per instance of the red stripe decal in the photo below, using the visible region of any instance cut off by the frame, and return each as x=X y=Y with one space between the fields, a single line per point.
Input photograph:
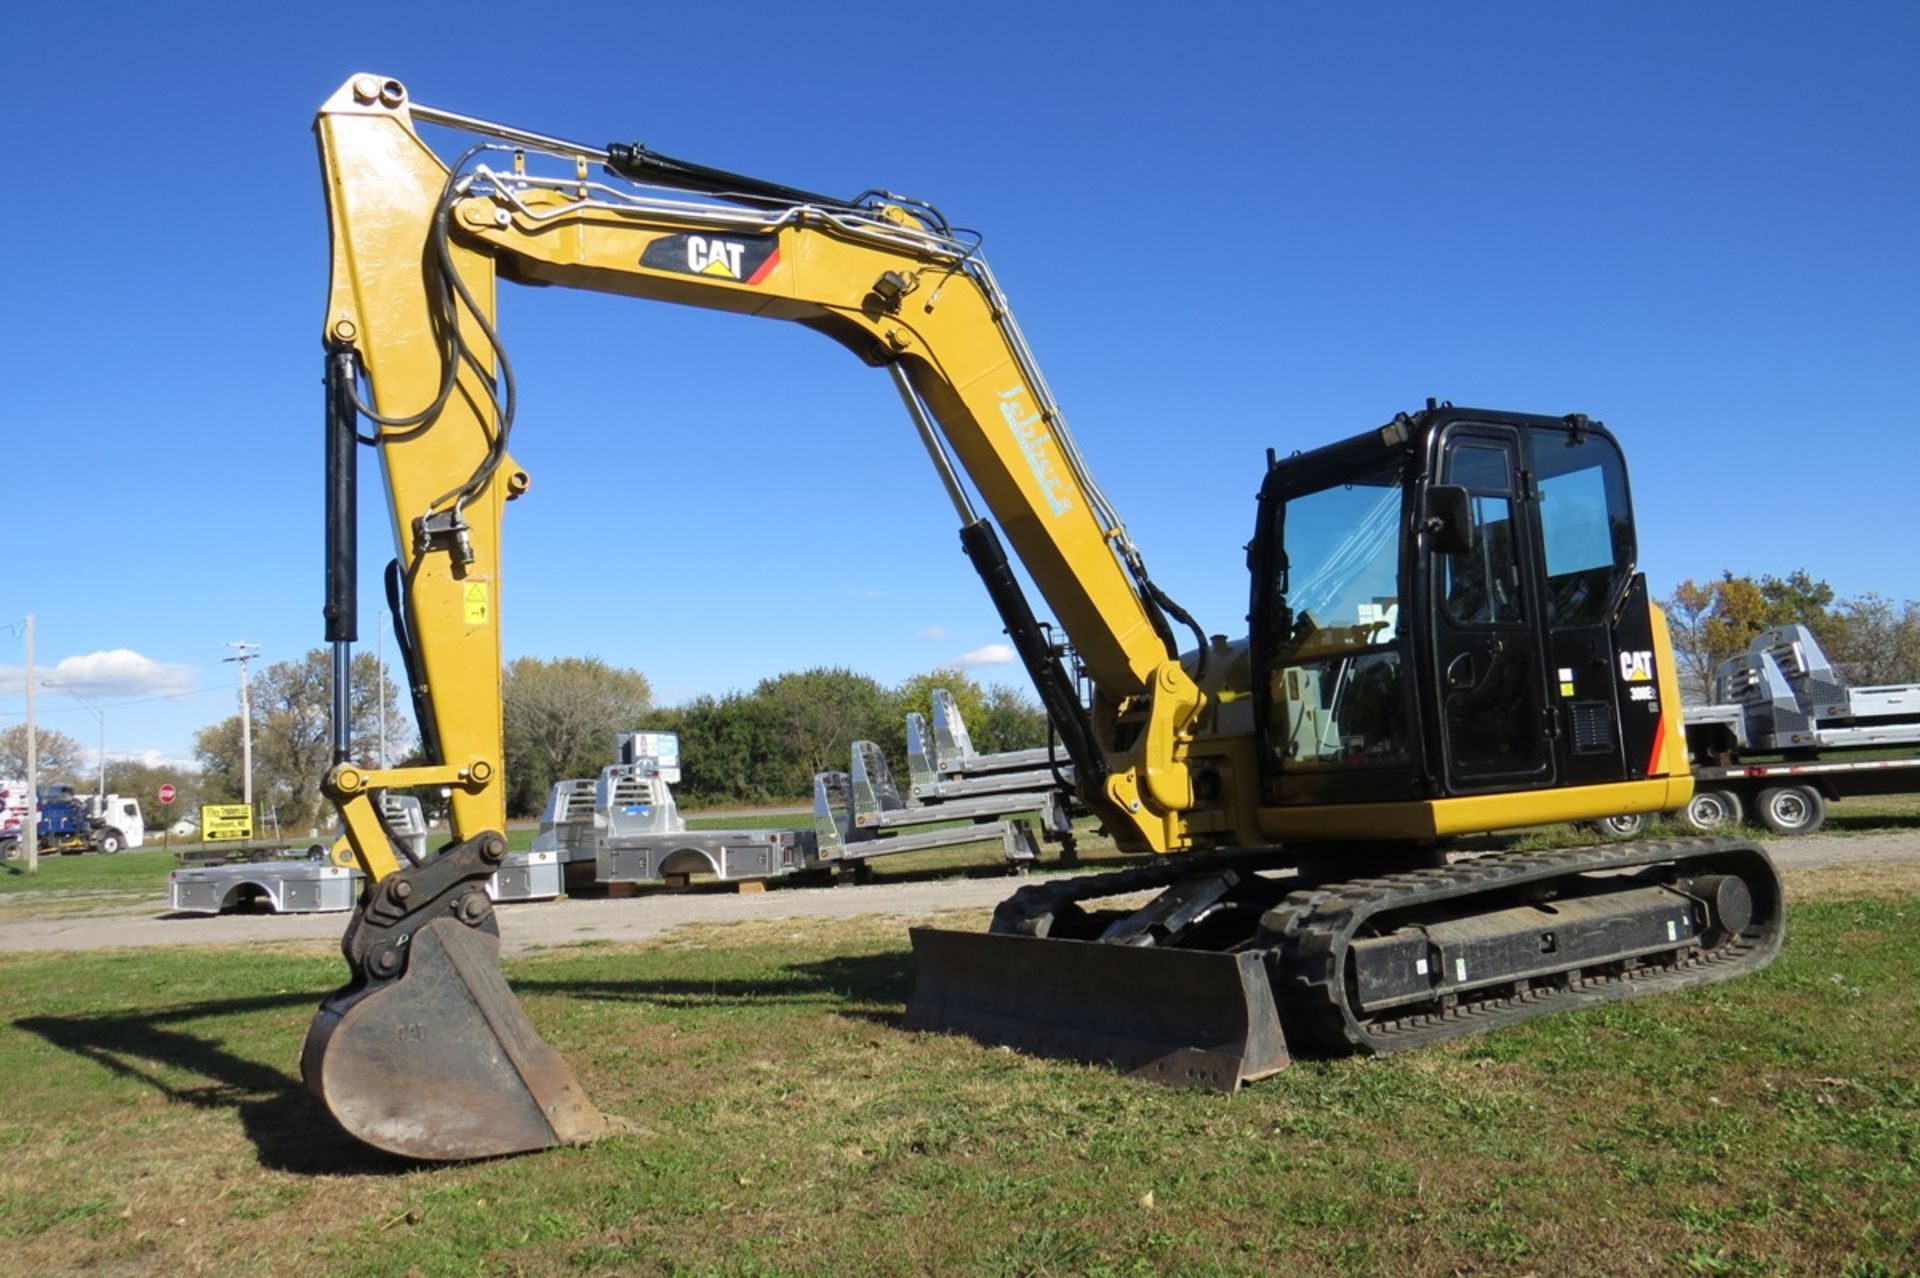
x=1659 y=740
x=773 y=259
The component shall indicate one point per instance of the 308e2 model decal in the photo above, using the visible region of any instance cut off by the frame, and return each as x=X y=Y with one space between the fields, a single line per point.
x=743 y=260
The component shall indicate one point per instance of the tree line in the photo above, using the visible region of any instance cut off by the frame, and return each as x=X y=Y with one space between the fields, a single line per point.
x=561 y=718
x=765 y=745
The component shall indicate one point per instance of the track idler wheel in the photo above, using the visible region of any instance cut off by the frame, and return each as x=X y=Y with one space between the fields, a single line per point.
x=426 y=1053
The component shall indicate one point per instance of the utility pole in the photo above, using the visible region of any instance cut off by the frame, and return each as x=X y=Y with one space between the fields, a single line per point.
x=243 y=653
x=32 y=832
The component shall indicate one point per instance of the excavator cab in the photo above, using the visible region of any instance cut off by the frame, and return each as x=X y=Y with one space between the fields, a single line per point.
x=1448 y=636
x=1445 y=608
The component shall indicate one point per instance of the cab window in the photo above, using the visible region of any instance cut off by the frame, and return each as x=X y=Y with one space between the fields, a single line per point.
x=1337 y=685
x=1482 y=584
x=1586 y=525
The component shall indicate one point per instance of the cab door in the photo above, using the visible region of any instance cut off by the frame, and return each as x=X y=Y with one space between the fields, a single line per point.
x=1489 y=658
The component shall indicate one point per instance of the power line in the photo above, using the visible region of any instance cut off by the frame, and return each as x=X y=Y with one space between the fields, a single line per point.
x=134 y=701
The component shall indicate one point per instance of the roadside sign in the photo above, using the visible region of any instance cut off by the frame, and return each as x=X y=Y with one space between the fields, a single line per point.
x=166 y=794
x=220 y=821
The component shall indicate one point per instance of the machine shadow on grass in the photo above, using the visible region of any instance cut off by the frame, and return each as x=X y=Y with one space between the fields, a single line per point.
x=279 y=1116
x=872 y=987
x=293 y=1133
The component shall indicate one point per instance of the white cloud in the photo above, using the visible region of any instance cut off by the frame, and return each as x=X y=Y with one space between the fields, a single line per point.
x=116 y=675
x=150 y=758
x=993 y=654
x=156 y=759
x=936 y=632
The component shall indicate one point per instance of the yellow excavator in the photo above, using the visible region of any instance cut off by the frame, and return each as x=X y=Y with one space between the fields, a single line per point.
x=1448 y=635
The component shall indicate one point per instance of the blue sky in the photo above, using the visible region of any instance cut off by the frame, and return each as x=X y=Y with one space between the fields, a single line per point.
x=1224 y=228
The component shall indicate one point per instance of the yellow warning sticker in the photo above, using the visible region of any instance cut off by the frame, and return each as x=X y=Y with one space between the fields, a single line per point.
x=473 y=603
x=1566 y=690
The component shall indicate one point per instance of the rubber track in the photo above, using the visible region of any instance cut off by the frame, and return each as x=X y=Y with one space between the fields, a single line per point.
x=1306 y=939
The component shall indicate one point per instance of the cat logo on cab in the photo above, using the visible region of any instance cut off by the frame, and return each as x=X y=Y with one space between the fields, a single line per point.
x=1636 y=667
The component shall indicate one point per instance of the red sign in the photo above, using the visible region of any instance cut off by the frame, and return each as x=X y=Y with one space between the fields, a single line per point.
x=166 y=794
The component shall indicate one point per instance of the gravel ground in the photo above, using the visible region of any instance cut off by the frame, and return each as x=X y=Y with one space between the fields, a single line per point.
x=56 y=925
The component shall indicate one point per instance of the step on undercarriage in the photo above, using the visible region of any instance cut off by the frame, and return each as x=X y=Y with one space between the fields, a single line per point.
x=1231 y=967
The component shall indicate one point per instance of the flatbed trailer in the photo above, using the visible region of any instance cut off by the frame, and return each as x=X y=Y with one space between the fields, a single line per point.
x=623 y=827
x=1791 y=797
x=860 y=816
x=1787 y=734
x=943 y=764
x=306 y=886
x=311 y=883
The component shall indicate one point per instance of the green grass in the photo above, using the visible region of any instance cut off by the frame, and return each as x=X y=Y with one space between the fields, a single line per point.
x=777 y=1120
x=145 y=870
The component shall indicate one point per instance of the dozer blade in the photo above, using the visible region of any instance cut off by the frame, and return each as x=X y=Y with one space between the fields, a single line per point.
x=427 y=1053
x=1189 y=1018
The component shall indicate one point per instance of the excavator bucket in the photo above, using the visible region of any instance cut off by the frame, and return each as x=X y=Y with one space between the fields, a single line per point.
x=427 y=1053
x=1189 y=1018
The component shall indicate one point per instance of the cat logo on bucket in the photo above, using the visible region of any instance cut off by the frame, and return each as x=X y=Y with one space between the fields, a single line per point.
x=1636 y=667
x=743 y=261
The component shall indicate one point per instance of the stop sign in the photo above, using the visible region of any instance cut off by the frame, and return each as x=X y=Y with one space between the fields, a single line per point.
x=166 y=794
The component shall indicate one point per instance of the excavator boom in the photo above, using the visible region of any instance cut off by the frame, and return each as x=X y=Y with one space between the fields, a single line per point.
x=414 y=353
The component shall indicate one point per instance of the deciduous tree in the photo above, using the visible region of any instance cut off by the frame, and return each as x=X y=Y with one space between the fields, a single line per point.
x=561 y=720
x=1010 y=720
x=137 y=780
x=1880 y=640
x=60 y=758
x=818 y=714
x=292 y=704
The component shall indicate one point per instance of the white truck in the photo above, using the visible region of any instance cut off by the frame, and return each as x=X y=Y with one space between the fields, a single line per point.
x=118 y=823
x=71 y=820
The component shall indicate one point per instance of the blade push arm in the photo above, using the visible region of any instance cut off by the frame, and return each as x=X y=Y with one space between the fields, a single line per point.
x=417 y=249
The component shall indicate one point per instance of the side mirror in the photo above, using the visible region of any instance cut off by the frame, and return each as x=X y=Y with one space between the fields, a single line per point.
x=1449 y=524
